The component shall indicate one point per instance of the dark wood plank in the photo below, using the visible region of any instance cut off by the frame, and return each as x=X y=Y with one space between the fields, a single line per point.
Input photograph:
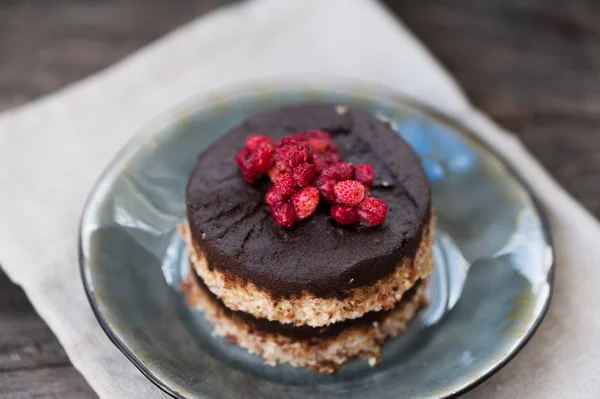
x=26 y=342
x=530 y=64
x=52 y=383
x=43 y=47
x=534 y=67
x=32 y=362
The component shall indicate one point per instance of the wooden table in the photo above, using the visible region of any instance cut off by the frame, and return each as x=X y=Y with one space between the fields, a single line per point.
x=532 y=65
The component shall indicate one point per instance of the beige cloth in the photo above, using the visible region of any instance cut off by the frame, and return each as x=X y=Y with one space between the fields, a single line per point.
x=52 y=151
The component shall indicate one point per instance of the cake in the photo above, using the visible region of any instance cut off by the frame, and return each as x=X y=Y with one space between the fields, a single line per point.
x=321 y=289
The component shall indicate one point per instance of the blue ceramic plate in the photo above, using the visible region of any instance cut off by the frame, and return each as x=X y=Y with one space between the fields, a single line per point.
x=491 y=287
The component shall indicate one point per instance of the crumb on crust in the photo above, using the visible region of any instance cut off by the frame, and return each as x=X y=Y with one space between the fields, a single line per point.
x=324 y=355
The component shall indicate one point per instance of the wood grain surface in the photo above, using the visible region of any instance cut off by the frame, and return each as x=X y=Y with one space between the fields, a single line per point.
x=532 y=65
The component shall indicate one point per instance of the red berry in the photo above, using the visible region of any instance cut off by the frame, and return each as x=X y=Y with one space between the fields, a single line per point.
x=364 y=174
x=321 y=140
x=301 y=137
x=244 y=162
x=372 y=211
x=285 y=142
x=281 y=166
x=282 y=155
x=252 y=142
x=283 y=213
x=345 y=170
x=288 y=156
x=256 y=158
x=273 y=173
x=327 y=191
x=350 y=192
x=332 y=148
x=299 y=154
x=330 y=173
x=344 y=214
x=317 y=145
x=367 y=192
x=332 y=157
x=284 y=184
x=305 y=168
x=303 y=174
x=319 y=163
x=262 y=158
x=273 y=196
x=305 y=202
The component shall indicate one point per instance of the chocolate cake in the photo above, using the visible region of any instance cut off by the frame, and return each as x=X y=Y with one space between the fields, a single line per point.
x=315 y=281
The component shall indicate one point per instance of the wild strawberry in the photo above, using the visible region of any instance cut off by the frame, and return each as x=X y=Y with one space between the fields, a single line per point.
x=284 y=185
x=252 y=142
x=372 y=211
x=299 y=154
x=247 y=168
x=350 y=192
x=289 y=156
x=329 y=173
x=317 y=145
x=367 y=192
x=327 y=191
x=303 y=174
x=273 y=173
x=305 y=202
x=273 y=196
x=364 y=174
x=344 y=214
x=262 y=157
x=305 y=168
x=320 y=141
x=256 y=158
x=283 y=213
x=285 y=142
x=300 y=137
x=319 y=163
x=282 y=156
x=332 y=148
x=345 y=170
x=332 y=157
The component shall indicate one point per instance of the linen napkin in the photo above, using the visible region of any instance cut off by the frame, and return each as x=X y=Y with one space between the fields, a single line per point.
x=52 y=151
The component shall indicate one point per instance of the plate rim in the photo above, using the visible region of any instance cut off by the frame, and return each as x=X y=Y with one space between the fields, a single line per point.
x=314 y=84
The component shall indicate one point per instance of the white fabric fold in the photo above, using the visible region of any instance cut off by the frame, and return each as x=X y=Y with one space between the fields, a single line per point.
x=53 y=150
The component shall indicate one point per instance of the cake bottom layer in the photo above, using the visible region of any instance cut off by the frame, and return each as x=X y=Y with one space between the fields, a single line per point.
x=324 y=353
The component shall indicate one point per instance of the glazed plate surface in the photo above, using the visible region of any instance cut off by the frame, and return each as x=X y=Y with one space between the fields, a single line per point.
x=490 y=290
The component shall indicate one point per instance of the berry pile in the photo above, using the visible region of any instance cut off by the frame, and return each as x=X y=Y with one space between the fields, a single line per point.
x=306 y=168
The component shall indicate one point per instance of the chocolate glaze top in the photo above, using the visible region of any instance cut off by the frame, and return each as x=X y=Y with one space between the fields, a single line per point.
x=231 y=223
